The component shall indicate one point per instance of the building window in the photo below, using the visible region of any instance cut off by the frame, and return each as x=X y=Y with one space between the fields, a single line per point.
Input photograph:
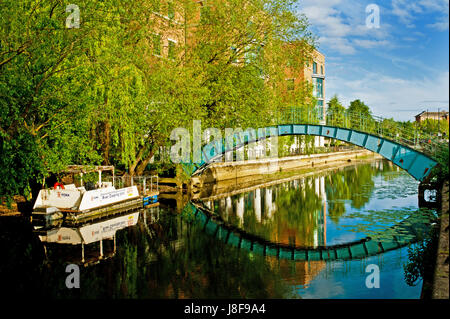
x=321 y=69
x=170 y=10
x=320 y=110
x=314 y=68
x=318 y=87
x=157 y=44
x=290 y=84
x=171 y=52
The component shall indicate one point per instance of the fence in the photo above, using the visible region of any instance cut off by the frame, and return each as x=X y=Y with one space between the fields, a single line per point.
x=410 y=136
x=145 y=184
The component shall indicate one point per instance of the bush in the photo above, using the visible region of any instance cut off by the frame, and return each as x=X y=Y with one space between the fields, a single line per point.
x=442 y=156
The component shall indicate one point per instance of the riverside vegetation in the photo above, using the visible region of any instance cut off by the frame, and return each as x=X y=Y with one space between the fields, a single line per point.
x=103 y=94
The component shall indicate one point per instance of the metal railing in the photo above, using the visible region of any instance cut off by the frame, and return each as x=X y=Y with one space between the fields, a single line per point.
x=146 y=183
x=406 y=134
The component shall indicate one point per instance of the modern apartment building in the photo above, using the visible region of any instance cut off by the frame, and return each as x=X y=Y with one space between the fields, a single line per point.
x=312 y=71
x=315 y=73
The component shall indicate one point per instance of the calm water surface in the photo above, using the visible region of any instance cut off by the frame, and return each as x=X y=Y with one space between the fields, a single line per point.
x=162 y=253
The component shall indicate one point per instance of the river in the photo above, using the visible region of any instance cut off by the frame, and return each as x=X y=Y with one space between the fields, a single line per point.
x=164 y=253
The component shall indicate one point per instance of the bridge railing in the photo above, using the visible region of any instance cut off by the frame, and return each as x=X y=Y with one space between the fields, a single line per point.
x=406 y=134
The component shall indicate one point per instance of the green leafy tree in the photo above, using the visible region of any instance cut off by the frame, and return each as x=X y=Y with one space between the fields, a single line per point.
x=434 y=127
x=358 y=107
x=42 y=79
x=97 y=93
x=360 y=116
x=336 y=114
x=237 y=51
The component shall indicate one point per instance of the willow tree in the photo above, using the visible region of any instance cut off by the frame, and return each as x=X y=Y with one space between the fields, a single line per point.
x=221 y=72
x=239 y=50
x=42 y=79
x=80 y=84
x=72 y=89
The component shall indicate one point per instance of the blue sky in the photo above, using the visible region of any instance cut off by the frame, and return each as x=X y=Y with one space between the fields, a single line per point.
x=398 y=69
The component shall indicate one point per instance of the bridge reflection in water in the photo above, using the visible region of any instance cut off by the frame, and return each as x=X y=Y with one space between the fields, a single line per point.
x=288 y=222
x=263 y=205
x=215 y=226
x=264 y=237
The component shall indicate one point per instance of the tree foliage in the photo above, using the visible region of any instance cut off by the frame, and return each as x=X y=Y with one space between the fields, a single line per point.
x=104 y=93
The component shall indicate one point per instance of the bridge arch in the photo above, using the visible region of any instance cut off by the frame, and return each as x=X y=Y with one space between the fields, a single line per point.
x=215 y=226
x=415 y=162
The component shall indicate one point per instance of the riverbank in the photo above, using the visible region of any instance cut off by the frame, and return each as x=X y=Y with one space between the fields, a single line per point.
x=14 y=210
x=244 y=172
x=249 y=172
x=441 y=272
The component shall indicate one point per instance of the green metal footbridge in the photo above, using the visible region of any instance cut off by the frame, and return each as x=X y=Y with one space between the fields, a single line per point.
x=406 y=147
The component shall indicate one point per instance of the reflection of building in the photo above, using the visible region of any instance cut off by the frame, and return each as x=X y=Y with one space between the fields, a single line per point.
x=262 y=211
x=299 y=273
x=257 y=209
x=312 y=232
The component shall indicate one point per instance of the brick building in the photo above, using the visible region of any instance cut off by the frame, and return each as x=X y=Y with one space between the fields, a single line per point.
x=425 y=115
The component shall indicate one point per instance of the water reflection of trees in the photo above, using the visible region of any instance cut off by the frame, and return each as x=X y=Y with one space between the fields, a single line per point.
x=298 y=215
x=175 y=259
x=185 y=263
x=193 y=265
x=355 y=185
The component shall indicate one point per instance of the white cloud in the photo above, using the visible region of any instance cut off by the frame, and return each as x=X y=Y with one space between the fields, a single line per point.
x=341 y=25
x=409 y=77
x=342 y=45
x=390 y=96
x=435 y=5
x=371 y=43
x=408 y=11
x=440 y=25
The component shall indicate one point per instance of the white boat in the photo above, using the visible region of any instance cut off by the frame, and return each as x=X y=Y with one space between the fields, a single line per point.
x=77 y=202
x=51 y=203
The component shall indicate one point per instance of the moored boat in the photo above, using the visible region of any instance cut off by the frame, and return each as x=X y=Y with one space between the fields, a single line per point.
x=75 y=202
